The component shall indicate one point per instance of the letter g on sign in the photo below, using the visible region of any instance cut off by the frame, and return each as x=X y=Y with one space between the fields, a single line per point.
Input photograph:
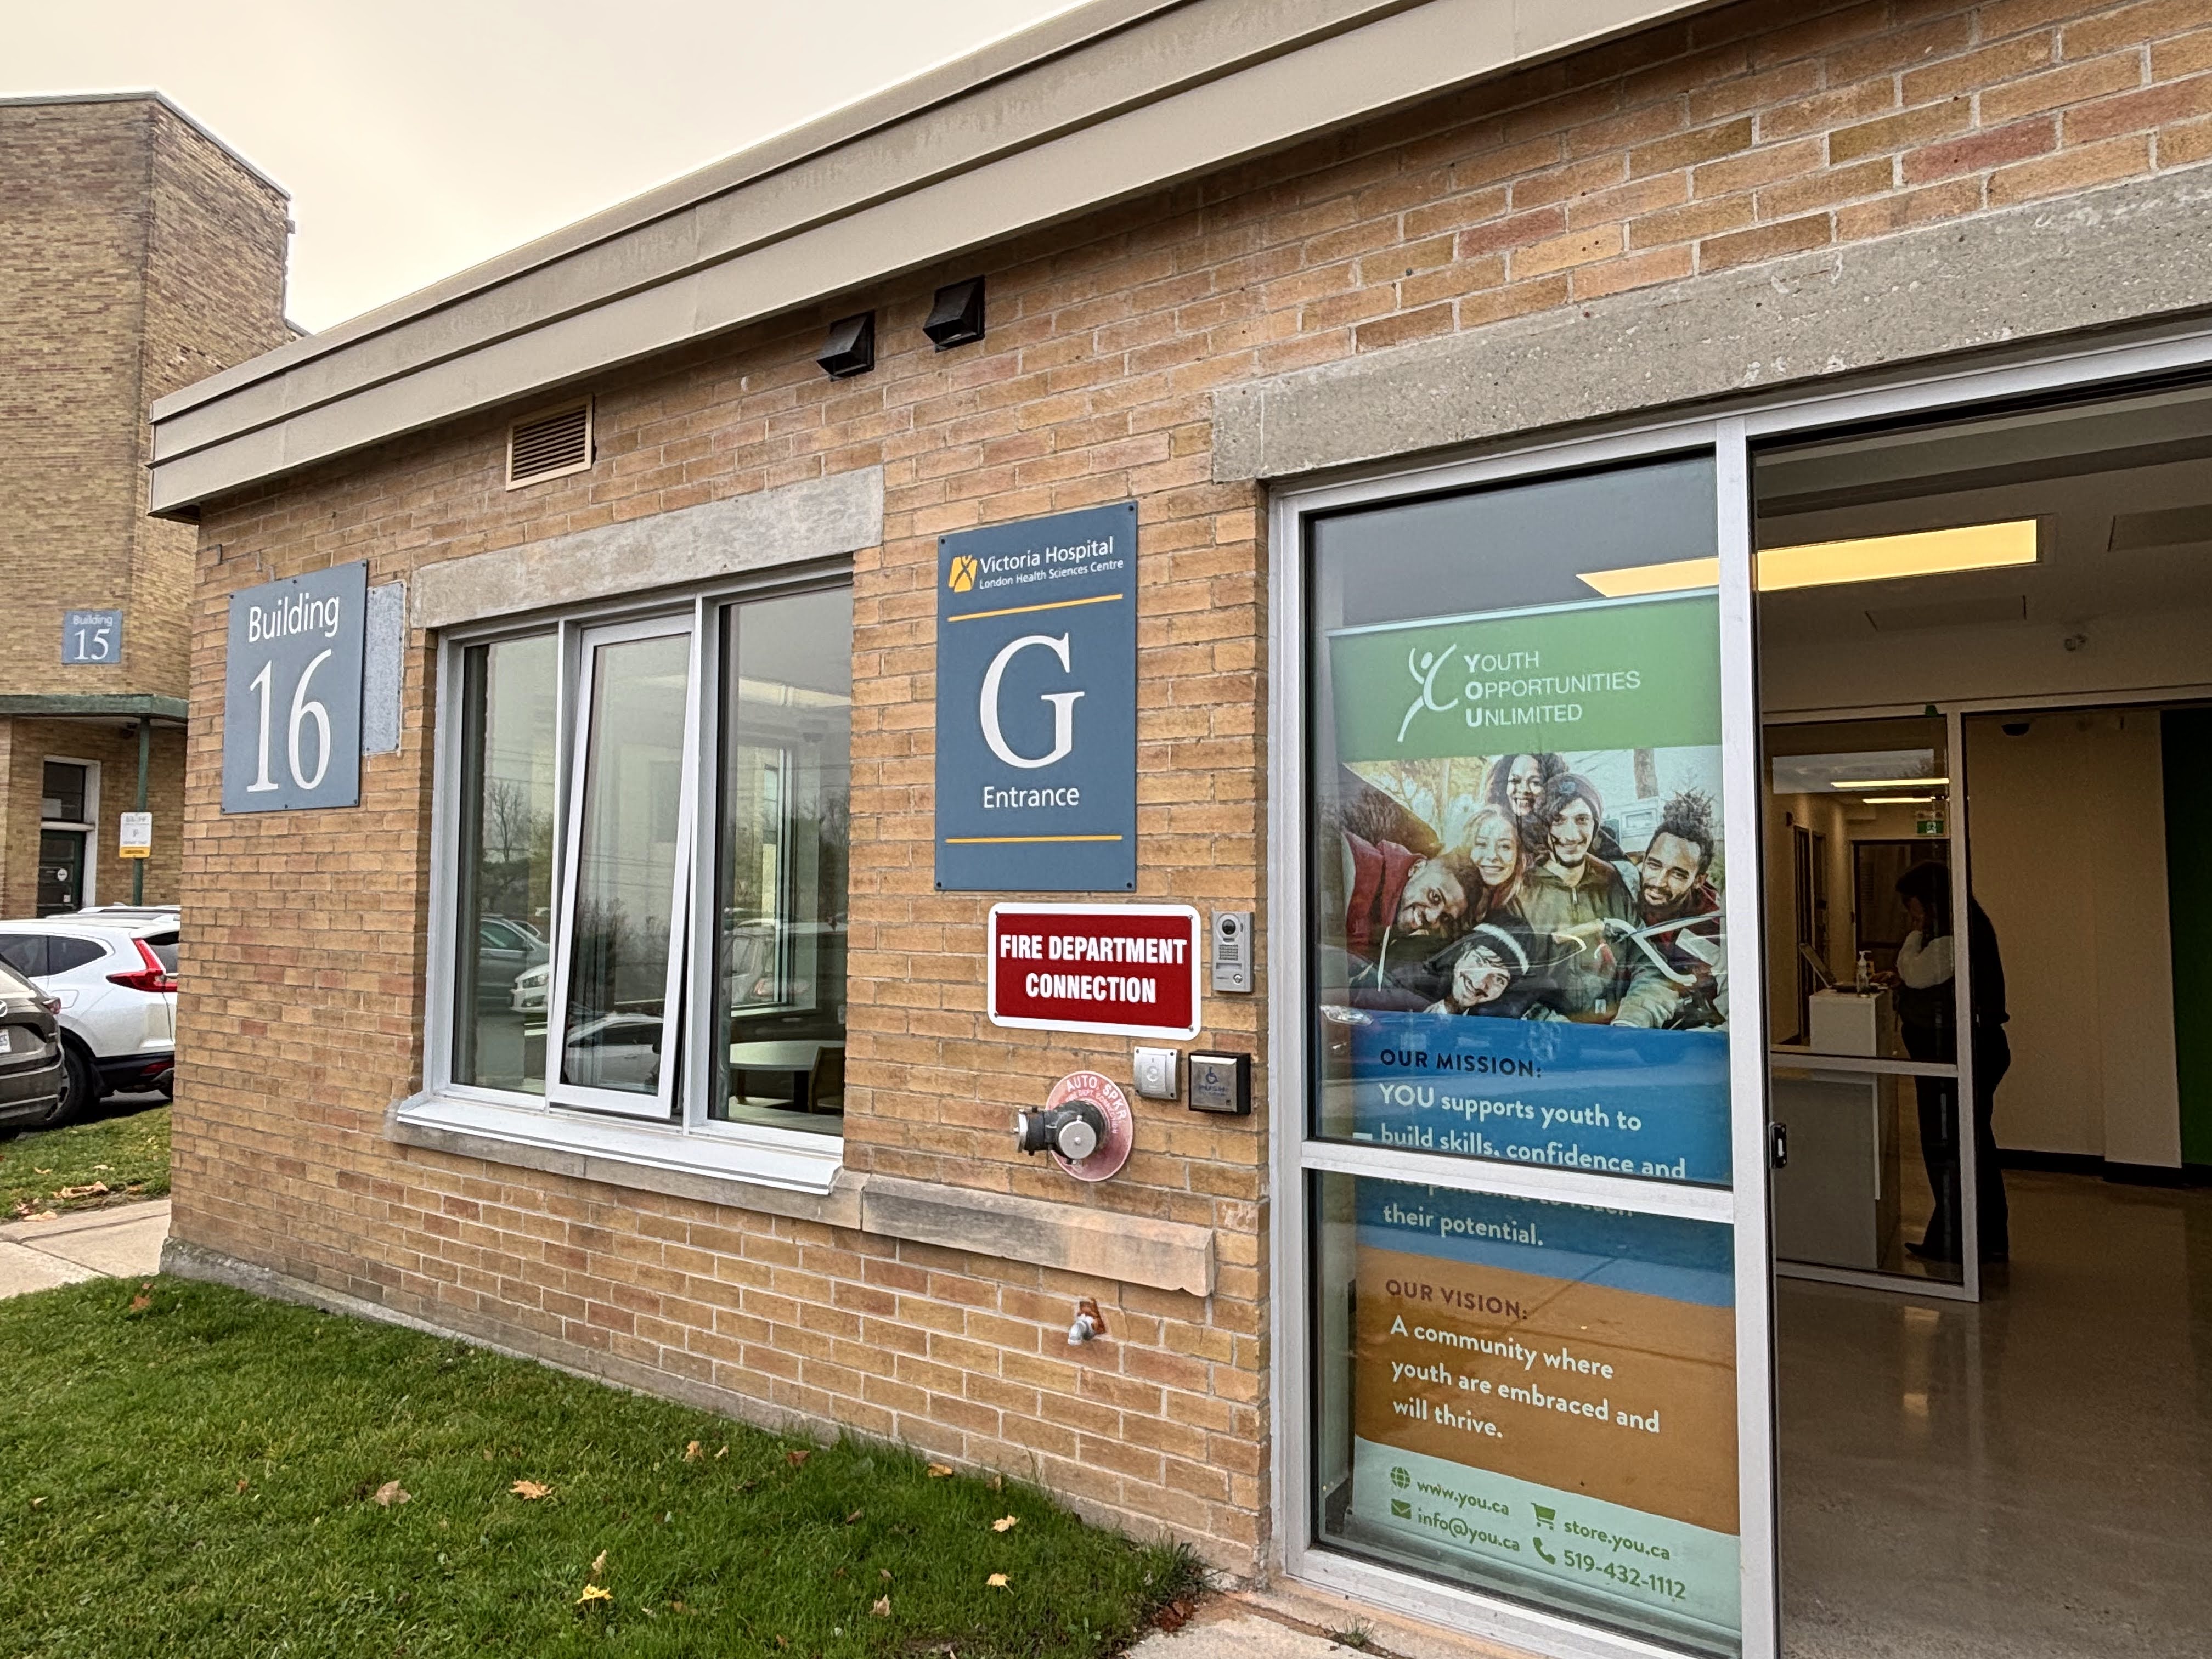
x=1063 y=703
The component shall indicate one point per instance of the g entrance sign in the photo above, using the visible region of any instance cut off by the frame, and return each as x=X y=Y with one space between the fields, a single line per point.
x=1036 y=705
x=1119 y=970
x=291 y=707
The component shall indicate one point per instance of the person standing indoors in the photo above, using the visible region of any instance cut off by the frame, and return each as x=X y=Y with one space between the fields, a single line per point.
x=1927 y=964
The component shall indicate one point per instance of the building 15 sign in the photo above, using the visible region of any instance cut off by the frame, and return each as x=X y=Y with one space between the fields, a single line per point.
x=1036 y=705
x=291 y=707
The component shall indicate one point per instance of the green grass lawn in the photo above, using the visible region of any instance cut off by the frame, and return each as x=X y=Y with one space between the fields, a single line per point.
x=193 y=1471
x=127 y=1153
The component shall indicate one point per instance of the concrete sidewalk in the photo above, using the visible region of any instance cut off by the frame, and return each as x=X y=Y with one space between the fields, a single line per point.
x=118 y=1240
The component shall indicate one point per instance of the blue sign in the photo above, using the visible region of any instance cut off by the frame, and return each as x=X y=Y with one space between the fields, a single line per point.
x=1602 y=1098
x=91 y=636
x=291 y=705
x=1036 y=705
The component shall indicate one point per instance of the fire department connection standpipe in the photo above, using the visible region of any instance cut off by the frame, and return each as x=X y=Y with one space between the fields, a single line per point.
x=1086 y=1126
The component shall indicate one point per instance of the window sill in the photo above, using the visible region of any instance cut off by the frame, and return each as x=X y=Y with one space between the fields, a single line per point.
x=799 y=1182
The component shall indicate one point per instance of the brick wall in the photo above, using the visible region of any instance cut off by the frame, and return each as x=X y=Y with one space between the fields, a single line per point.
x=114 y=748
x=1734 y=137
x=136 y=257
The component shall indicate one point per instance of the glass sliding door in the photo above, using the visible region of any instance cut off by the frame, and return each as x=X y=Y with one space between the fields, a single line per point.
x=617 y=975
x=1525 y=1380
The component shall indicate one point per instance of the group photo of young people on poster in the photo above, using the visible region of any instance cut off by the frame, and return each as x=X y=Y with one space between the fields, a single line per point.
x=1578 y=886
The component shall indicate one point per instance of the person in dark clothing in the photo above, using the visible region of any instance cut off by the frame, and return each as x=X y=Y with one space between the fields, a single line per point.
x=1927 y=1019
x=1496 y=969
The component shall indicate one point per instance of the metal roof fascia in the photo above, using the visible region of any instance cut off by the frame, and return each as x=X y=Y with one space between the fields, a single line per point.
x=1349 y=60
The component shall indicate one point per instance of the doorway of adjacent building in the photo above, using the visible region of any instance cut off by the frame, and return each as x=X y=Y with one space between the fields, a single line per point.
x=69 y=814
x=1994 y=1438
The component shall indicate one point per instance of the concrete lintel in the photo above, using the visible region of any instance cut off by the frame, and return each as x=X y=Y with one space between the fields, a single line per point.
x=791 y=523
x=1168 y=1255
x=2126 y=254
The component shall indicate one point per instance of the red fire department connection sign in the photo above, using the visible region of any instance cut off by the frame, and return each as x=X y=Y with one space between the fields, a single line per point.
x=1119 y=970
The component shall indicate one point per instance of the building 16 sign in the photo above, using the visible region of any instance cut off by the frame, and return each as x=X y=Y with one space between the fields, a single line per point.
x=1036 y=705
x=291 y=707
x=1119 y=970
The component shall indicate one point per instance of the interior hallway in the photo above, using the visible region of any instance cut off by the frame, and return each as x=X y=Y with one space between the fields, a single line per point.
x=2026 y=1479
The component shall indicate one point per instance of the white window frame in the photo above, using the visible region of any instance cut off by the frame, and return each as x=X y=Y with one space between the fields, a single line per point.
x=689 y=1142
x=591 y=639
x=90 y=825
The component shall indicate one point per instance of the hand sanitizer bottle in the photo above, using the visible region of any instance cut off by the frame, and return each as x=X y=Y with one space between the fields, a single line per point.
x=1864 y=983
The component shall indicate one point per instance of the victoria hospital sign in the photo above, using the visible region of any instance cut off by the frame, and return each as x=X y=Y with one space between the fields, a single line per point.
x=1036 y=705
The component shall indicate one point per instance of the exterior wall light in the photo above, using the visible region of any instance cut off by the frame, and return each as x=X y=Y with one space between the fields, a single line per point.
x=851 y=348
x=957 y=318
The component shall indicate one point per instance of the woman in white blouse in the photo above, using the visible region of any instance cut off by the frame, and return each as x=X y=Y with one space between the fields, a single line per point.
x=1927 y=1011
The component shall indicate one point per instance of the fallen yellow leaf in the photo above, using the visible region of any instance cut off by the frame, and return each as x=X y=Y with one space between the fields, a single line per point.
x=795 y=1458
x=692 y=1452
x=997 y=1581
x=527 y=1489
x=882 y=1607
x=598 y=1564
x=724 y=1452
x=390 y=1493
x=939 y=1471
x=594 y=1592
x=1005 y=1523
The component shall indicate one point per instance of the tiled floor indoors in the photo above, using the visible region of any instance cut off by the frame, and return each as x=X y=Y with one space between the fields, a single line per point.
x=2029 y=1478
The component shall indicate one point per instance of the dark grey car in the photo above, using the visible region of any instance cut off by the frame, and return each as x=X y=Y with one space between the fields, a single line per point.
x=32 y=1072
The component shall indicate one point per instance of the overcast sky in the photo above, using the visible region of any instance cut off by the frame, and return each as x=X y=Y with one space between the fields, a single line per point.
x=419 y=137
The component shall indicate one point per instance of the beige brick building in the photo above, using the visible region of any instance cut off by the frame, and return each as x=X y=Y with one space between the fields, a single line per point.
x=137 y=255
x=1247 y=266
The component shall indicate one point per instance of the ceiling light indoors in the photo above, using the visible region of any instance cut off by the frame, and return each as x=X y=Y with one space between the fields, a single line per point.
x=1823 y=564
x=1897 y=800
x=1887 y=783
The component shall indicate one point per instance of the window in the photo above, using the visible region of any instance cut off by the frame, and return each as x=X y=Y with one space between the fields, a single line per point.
x=25 y=952
x=66 y=791
x=649 y=855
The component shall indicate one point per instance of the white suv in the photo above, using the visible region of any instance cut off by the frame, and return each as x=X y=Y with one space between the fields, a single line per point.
x=113 y=970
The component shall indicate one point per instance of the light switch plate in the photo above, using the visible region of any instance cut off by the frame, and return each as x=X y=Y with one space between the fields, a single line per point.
x=1156 y=1072
x=1221 y=1083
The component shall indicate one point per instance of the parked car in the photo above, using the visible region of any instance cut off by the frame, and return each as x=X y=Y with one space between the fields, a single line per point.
x=506 y=950
x=112 y=970
x=33 y=1077
x=528 y=996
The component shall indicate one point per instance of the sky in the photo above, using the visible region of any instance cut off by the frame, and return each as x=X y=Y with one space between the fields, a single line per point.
x=417 y=138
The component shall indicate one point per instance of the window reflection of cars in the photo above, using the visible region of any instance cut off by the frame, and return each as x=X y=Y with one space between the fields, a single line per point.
x=616 y=1051
x=528 y=996
x=506 y=949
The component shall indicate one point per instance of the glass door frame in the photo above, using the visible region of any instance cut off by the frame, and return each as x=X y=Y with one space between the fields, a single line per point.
x=1296 y=1154
x=2011 y=374
x=1961 y=1068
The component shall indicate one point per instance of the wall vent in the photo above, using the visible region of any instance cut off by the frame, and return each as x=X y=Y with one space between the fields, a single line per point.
x=549 y=445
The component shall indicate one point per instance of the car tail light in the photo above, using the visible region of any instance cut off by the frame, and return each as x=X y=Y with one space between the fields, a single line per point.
x=152 y=977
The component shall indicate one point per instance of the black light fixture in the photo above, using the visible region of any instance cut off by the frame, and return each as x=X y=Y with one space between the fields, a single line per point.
x=957 y=316
x=851 y=348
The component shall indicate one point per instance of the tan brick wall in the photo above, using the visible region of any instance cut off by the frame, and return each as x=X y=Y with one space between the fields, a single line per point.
x=136 y=257
x=1733 y=137
x=114 y=747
